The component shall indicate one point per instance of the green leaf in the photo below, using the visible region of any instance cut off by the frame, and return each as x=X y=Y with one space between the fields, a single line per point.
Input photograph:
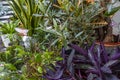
x=10 y=67
x=40 y=70
x=54 y=42
x=64 y=25
x=59 y=58
x=38 y=57
x=41 y=6
x=113 y=11
x=80 y=33
x=55 y=24
x=52 y=31
x=1 y=67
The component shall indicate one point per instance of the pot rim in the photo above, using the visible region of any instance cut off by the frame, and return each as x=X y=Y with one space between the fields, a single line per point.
x=109 y=44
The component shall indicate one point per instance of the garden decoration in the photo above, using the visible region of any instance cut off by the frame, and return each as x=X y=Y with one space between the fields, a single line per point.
x=23 y=33
x=105 y=33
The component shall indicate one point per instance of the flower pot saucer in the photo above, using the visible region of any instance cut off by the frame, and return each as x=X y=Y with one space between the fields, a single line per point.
x=109 y=44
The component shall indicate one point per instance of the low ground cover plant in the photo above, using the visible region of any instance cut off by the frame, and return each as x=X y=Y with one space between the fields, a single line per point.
x=92 y=63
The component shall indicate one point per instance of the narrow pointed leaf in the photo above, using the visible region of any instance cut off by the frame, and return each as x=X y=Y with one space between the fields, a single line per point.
x=78 y=49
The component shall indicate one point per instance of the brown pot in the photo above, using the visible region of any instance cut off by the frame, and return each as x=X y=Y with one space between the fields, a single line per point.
x=109 y=44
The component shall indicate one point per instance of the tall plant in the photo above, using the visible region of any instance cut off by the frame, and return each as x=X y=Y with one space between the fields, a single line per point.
x=25 y=10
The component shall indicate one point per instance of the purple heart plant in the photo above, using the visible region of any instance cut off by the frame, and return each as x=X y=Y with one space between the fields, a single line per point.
x=91 y=63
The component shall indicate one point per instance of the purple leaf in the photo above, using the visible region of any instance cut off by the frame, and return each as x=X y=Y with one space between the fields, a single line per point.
x=104 y=53
x=117 y=50
x=110 y=63
x=92 y=47
x=91 y=76
x=116 y=55
x=70 y=58
x=79 y=73
x=67 y=78
x=91 y=57
x=105 y=69
x=111 y=77
x=78 y=49
x=63 y=54
x=69 y=62
x=57 y=75
x=94 y=71
x=99 y=55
